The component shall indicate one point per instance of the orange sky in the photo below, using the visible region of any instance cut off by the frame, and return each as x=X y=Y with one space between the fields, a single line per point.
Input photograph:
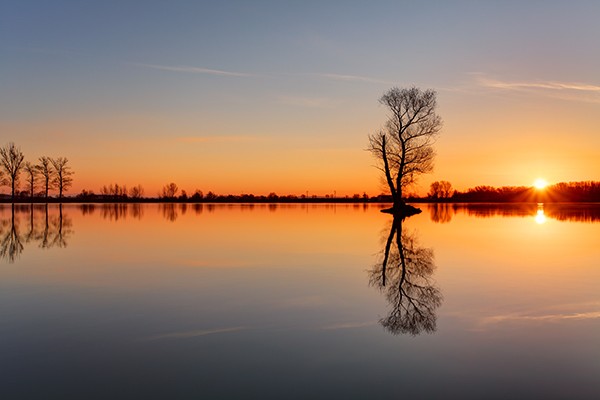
x=283 y=102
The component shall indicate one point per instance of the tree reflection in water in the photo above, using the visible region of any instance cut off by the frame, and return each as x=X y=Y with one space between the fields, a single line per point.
x=404 y=276
x=44 y=229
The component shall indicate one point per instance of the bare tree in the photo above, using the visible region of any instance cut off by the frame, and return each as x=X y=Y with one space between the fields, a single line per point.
x=136 y=192
x=46 y=173
x=115 y=191
x=404 y=147
x=170 y=191
x=32 y=173
x=63 y=177
x=11 y=159
x=440 y=190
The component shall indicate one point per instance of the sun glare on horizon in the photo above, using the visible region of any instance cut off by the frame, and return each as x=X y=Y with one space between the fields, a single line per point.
x=540 y=183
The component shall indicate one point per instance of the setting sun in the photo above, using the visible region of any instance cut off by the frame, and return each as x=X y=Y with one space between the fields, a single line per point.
x=540 y=183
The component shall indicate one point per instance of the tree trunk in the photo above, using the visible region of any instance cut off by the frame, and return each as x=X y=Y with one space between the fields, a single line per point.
x=388 y=175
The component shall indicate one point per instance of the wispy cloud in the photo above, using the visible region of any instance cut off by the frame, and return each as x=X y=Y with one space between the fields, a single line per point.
x=194 y=333
x=569 y=91
x=549 y=85
x=193 y=70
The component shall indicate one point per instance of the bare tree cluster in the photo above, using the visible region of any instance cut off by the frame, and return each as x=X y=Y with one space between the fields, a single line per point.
x=48 y=173
x=169 y=191
x=440 y=190
x=404 y=147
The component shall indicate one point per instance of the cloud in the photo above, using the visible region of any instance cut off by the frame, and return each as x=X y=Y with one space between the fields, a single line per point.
x=194 y=70
x=569 y=91
x=194 y=333
x=547 y=85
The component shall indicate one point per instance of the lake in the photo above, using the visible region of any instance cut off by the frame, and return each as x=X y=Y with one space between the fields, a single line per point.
x=303 y=301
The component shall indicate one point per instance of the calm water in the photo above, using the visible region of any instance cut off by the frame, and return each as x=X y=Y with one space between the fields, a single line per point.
x=299 y=301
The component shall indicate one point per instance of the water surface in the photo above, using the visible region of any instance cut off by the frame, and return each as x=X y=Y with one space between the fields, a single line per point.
x=299 y=301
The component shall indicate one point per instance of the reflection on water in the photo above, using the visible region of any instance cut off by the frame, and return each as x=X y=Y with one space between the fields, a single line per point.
x=578 y=212
x=404 y=276
x=28 y=224
x=441 y=212
x=252 y=301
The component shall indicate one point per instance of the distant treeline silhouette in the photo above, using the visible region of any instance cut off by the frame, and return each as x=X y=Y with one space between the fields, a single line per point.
x=441 y=192
x=586 y=191
x=171 y=194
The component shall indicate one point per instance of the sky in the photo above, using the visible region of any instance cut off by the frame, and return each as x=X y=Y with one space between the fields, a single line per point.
x=279 y=96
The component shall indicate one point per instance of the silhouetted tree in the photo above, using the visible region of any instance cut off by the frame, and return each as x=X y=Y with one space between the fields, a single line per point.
x=11 y=159
x=115 y=191
x=404 y=146
x=170 y=191
x=183 y=196
x=31 y=172
x=440 y=190
x=136 y=192
x=63 y=177
x=197 y=196
x=46 y=173
x=404 y=276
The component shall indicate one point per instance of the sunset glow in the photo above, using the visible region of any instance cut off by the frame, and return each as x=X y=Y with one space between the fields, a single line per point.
x=540 y=183
x=283 y=100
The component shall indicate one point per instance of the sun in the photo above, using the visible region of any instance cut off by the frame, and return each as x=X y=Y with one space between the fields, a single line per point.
x=540 y=183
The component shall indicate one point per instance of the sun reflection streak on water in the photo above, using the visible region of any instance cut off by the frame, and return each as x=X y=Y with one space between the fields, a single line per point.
x=540 y=217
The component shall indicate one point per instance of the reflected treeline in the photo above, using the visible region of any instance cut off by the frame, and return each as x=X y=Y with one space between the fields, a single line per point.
x=172 y=211
x=441 y=213
x=577 y=212
x=28 y=224
x=404 y=276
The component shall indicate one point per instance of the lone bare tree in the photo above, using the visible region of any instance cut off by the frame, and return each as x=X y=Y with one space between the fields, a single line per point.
x=31 y=171
x=63 y=177
x=46 y=173
x=170 y=191
x=11 y=158
x=404 y=147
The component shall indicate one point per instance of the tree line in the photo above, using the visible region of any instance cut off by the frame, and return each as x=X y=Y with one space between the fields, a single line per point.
x=584 y=191
x=45 y=175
